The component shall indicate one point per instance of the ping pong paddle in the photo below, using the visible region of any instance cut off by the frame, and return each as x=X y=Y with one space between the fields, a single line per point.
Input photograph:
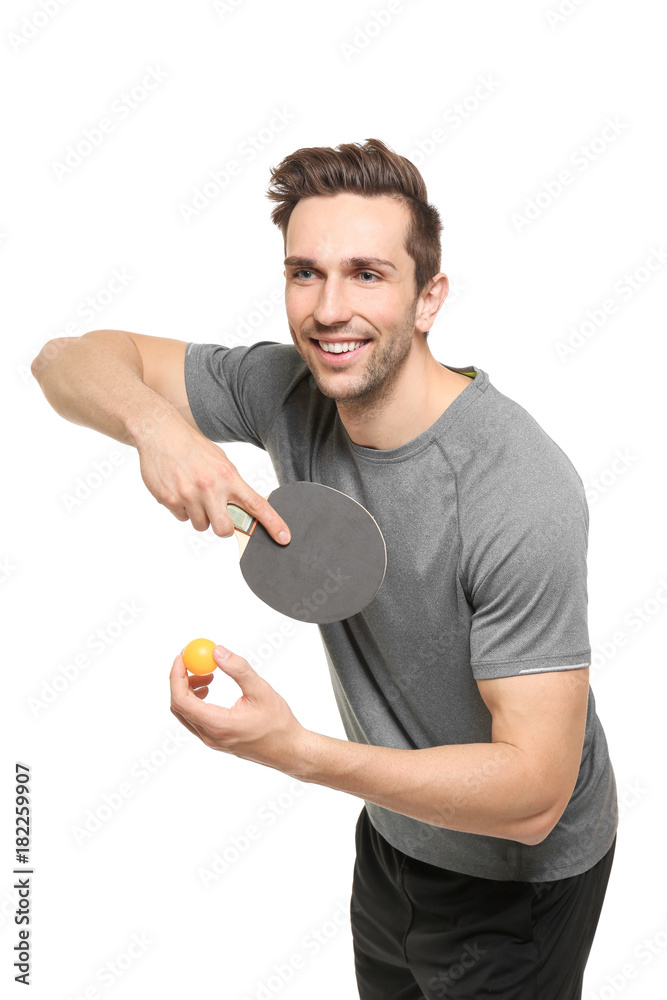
x=331 y=568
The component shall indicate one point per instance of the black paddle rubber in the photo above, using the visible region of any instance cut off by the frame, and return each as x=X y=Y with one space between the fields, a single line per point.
x=334 y=563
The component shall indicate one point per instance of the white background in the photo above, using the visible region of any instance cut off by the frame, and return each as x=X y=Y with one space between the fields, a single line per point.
x=521 y=289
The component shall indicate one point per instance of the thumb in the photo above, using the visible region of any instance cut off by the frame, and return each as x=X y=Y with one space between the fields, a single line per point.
x=239 y=670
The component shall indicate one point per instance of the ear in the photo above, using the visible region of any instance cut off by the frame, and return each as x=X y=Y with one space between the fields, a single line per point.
x=431 y=298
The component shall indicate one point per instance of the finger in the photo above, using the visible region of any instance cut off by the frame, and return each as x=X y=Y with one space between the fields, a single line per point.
x=219 y=517
x=197 y=515
x=188 y=509
x=196 y=680
x=201 y=692
x=173 y=503
x=184 y=722
x=252 y=685
x=260 y=508
x=216 y=494
x=186 y=704
x=178 y=678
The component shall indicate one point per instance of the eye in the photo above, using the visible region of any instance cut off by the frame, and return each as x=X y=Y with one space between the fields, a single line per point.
x=305 y=270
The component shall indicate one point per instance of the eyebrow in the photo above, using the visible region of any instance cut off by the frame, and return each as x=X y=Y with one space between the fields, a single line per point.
x=346 y=262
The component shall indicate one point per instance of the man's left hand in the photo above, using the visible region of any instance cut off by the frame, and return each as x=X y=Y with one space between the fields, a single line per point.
x=259 y=726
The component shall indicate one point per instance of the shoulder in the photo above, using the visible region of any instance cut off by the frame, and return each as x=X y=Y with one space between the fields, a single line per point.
x=241 y=390
x=263 y=374
x=504 y=438
x=266 y=356
x=505 y=462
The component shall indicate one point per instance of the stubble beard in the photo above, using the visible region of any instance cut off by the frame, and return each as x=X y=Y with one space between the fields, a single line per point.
x=373 y=388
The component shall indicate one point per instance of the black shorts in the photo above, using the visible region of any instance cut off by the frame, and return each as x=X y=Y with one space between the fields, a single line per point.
x=421 y=932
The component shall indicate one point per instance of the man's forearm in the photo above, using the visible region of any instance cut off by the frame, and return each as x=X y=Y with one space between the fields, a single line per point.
x=484 y=788
x=96 y=380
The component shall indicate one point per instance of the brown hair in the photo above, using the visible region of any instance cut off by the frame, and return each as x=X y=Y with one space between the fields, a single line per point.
x=369 y=169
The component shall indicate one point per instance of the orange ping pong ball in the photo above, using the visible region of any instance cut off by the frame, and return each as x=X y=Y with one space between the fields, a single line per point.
x=198 y=656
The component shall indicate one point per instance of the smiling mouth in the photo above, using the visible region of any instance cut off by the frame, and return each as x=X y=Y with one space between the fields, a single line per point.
x=340 y=351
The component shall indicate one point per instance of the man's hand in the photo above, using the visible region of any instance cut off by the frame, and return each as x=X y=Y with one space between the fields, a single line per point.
x=194 y=479
x=259 y=726
x=132 y=387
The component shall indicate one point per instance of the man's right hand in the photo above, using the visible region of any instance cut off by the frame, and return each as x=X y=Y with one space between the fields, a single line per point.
x=132 y=387
x=194 y=479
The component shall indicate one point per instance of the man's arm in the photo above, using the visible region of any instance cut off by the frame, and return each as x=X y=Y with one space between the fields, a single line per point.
x=515 y=787
x=121 y=384
x=132 y=387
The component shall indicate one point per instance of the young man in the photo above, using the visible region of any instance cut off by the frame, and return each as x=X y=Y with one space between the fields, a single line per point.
x=487 y=835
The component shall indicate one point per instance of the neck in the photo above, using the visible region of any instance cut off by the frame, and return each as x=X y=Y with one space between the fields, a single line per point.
x=420 y=395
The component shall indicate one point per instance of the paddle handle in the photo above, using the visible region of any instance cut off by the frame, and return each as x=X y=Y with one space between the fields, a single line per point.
x=241 y=519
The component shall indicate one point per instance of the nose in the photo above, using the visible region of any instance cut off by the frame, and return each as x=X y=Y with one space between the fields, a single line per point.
x=332 y=306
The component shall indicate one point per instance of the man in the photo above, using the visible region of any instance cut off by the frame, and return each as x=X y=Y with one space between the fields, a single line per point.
x=488 y=830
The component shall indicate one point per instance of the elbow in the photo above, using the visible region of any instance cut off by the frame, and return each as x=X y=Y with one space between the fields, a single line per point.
x=533 y=835
x=48 y=352
x=534 y=829
x=37 y=363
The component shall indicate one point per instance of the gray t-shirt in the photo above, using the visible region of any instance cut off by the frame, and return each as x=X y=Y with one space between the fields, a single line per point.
x=486 y=526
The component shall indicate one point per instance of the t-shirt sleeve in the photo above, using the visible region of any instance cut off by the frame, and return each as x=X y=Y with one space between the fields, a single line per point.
x=524 y=566
x=235 y=392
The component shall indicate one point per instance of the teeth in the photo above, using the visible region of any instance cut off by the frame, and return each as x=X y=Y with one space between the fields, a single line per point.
x=348 y=345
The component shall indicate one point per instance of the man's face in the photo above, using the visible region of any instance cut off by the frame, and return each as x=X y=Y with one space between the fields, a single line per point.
x=335 y=293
